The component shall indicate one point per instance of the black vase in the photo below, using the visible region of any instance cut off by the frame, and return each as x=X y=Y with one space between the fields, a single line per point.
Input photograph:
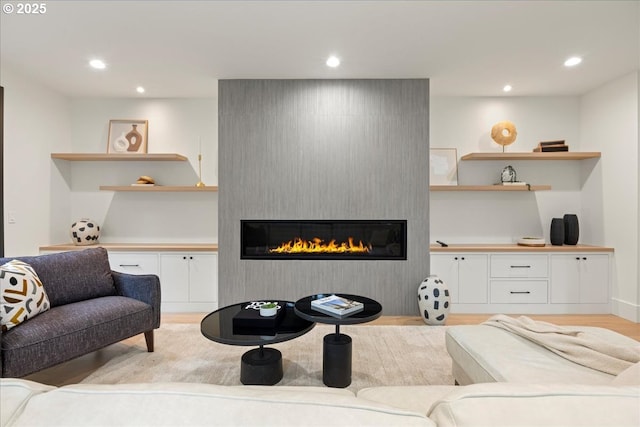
x=571 y=229
x=557 y=231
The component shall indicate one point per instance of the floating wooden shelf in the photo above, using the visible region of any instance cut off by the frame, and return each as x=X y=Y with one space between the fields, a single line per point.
x=95 y=157
x=159 y=188
x=559 y=155
x=489 y=188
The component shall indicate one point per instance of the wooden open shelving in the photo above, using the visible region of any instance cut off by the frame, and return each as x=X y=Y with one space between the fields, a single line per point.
x=155 y=247
x=159 y=188
x=96 y=157
x=489 y=187
x=512 y=247
x=559 y=155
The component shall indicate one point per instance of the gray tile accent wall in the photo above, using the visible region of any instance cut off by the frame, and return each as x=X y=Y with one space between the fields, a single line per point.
x=324 y=149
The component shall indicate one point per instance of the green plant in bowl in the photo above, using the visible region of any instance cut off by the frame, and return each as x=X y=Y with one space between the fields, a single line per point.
x=269 y=305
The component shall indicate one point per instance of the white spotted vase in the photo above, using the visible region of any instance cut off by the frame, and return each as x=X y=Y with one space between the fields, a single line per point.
x=84 y=232
x=434 y=300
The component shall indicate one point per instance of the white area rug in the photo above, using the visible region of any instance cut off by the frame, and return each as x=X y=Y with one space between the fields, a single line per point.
x=382 y=355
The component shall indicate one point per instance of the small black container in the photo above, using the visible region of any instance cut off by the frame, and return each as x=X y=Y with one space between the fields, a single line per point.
x=571 y=229
x=557 y=231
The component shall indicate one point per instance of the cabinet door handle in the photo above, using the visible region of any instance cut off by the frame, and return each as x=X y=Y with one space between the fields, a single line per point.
x=129 y=265
x=520 y=292
x=584 y=258
x=520 y=266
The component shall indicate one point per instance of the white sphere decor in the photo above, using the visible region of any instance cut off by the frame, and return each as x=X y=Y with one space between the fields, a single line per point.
x=85 y=232
x=433 y=300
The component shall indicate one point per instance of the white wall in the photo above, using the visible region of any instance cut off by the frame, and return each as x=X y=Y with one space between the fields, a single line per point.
x=46 y=196
x=36 y=122
x=175 y=126
x=609 y=123
x=465 y=123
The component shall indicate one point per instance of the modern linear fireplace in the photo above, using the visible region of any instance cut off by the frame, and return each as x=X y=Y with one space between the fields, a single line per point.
x=324 y=239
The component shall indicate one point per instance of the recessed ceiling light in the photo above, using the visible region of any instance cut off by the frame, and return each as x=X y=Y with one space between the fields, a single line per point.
x=333 y=62
x=507 y=88
x=573 y=61
x=98 y=64
x=140 y=89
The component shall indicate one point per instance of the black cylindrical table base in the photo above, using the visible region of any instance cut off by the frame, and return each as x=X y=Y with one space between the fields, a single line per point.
x=336 y=360
x=261 y=366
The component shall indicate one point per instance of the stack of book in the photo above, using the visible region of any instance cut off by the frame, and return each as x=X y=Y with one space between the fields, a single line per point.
x=549 y=146
x=336 y=306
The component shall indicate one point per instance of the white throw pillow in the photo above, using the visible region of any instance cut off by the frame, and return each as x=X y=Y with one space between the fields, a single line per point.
x=22 y=295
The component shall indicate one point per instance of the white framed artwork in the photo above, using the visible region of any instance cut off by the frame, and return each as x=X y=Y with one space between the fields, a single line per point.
x=443 y=166
x=127 y=136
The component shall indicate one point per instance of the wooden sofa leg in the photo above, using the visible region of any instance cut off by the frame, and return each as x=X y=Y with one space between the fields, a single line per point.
x=148 y=337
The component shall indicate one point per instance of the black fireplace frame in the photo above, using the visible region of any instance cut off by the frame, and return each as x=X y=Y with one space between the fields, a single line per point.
x=397 y=227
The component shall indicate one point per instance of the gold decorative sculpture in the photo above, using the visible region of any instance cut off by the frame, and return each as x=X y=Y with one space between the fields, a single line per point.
x=504 y=133
x=200 y=183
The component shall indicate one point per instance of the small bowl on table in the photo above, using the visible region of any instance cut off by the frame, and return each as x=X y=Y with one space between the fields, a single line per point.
x=269 y=309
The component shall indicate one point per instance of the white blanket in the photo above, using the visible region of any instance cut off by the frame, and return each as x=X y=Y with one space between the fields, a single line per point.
x=573 y=344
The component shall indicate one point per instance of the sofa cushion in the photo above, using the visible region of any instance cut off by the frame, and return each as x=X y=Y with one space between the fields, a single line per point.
x=188 y=404
x=417 y=398
x=73 y=276
x=545 y=405
x=71 y=330
x=15 y=393
x=22 y=295
x=630 y=376
x=483 y=353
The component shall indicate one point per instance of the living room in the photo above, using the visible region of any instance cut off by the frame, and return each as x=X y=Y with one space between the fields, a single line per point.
x=466 y=52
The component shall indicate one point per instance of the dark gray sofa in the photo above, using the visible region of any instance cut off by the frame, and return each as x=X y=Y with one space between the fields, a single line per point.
x=91 y=307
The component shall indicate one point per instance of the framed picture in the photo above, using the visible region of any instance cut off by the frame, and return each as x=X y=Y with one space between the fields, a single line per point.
x=127 y=136
x=443 y=166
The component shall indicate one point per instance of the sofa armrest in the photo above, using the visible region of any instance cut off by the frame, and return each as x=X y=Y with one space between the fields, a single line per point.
x=143 y=287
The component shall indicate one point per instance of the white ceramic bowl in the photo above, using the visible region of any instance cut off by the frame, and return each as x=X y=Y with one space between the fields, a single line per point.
x=268 y=311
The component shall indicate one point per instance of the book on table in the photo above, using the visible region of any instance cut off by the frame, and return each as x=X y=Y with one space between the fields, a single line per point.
x=337 y=306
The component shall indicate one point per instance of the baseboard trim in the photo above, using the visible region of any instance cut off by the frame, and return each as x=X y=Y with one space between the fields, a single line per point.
x=626 y=310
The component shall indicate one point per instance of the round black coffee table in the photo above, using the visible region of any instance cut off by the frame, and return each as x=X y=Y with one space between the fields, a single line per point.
x=262 y=366
x=336 y=353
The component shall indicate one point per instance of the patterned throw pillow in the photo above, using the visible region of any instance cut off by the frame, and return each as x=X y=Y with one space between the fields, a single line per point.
x=22 y=295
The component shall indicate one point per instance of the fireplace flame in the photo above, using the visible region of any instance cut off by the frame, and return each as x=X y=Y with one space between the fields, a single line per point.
x=316 y=245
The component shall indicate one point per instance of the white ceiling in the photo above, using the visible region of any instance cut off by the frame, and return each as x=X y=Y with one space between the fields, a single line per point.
x=181 y=48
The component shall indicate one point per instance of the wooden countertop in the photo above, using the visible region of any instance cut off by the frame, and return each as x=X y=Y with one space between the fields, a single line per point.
x=147 y=247
x=512 y=247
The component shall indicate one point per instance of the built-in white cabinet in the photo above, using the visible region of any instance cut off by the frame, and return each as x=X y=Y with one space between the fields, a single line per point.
x=134 y=262
x=189 y=278
x=519 y=278
x=580 y=278
x=464 y=274
x=553 y=282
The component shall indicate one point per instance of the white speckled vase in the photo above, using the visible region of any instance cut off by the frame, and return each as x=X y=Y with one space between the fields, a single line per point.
x=85 y=232
x=433 y=300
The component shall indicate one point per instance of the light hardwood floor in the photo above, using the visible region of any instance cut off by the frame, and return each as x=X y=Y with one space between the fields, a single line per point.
x=76 y=370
